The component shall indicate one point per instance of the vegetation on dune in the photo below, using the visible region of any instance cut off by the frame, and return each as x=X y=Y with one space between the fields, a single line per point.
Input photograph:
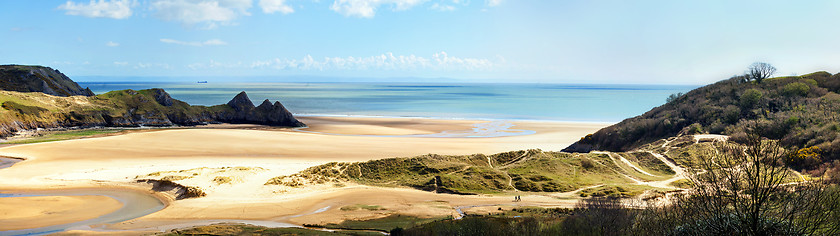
x=362 y=206
x=647 y=162
x=384 y=224
x=736 y=190
x=617 y=191
x=802 y=112
x=531 y=170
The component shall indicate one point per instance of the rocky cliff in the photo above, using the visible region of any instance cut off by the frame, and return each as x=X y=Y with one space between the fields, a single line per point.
x=123 y=108
x=244 y=112
x=39 y=79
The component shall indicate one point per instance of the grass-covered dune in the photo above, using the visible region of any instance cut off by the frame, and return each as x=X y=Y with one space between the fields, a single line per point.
x=803 y=112
x=530 y=170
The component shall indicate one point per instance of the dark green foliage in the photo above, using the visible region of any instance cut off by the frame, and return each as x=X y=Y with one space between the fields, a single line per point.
x=750 y=98
x=673 y=97
x=801 y=111
x=796 y=89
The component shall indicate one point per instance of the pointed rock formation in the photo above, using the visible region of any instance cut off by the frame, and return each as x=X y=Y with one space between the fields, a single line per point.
x=266 y=105
x=244 y=112
x=241 y=102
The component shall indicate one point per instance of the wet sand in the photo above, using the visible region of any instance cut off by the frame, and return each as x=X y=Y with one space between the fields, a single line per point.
x=41 y=211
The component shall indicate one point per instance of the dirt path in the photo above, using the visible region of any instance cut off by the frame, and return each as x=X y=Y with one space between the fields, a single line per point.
x=679 y=172
x=638 y=181
x=620 y=157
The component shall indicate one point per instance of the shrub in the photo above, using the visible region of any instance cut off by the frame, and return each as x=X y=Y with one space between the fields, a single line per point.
x=750 y=98
x=587 y=164
x=796 y=89
x=694 y=129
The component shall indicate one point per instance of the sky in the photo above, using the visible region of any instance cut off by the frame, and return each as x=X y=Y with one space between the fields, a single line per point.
x=518 y=41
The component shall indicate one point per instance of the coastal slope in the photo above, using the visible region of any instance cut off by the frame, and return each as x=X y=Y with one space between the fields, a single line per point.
x=22 y=78
x=800 y=111
x=33 y=97
x=128 y=108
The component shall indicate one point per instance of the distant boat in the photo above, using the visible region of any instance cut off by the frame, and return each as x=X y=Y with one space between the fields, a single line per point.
x=202 y=82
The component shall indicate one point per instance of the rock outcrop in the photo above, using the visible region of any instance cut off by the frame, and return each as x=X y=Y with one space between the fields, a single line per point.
x=176 y=190
x=130 y=108
x=244 y=112
x=39 y=79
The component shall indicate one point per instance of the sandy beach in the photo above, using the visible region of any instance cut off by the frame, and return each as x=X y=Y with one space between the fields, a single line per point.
x=247 y=157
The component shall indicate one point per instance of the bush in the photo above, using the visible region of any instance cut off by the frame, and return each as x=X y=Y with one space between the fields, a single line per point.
x=796 y=89
x=694 y=129
x=750 y=98
x=587 y=164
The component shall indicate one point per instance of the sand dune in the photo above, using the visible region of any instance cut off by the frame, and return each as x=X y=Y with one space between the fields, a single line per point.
x=202 y=154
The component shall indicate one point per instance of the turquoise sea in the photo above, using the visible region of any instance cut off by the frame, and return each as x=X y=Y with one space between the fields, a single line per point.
x=559 y=102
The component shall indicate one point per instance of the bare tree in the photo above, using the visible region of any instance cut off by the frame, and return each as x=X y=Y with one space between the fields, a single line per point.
x=760 y=71
x=749 y=191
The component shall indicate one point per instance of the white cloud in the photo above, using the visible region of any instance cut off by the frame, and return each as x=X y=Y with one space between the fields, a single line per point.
x=272 y=6
x=120 y=63
x=116 y=9
x=208 y=12
x=212 y=42
x=112 y=44
x=141 y=65
x=442 y=7
x=386 y=61
x=367 y=8
x=493 y=3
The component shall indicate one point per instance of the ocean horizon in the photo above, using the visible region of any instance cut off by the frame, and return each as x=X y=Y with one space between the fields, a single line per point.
x=484 y=101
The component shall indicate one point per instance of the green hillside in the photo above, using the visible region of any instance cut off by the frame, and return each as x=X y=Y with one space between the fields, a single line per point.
x=531 y=170
x=803 y=112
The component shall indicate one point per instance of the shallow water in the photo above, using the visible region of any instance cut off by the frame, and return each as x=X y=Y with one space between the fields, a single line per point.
x=8 y=162
x=135 y=204
x=489 y=129
x=559 y=102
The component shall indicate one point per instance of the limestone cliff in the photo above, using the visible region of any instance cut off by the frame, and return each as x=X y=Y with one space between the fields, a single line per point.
x=39 y=79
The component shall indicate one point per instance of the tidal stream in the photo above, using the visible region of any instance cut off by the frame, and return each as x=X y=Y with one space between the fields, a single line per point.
x=135 y=204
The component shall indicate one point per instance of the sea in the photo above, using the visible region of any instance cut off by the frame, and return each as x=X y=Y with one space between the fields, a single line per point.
x=551 y=102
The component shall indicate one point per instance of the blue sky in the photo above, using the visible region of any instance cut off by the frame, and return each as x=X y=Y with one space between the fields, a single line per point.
x=554 y=41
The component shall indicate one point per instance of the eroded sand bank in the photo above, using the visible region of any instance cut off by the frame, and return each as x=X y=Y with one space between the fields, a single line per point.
x=206 y=153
